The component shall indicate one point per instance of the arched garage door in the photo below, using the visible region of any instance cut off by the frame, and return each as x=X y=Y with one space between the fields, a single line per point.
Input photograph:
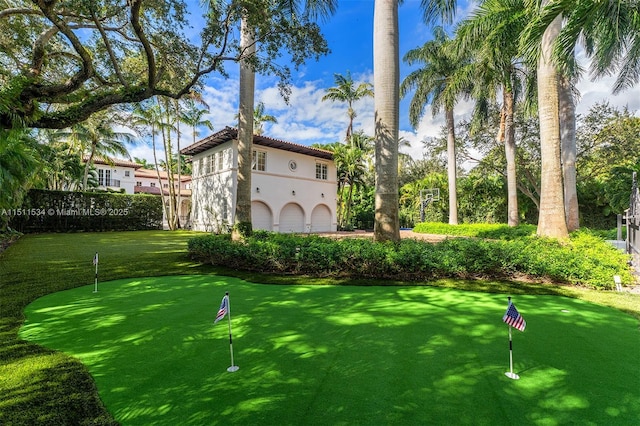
x=321 y=219
x=261 y=217
x=291 y=218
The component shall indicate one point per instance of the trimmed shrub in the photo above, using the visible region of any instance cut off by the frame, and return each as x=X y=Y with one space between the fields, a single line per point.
x=583 y=260
x=497 y=231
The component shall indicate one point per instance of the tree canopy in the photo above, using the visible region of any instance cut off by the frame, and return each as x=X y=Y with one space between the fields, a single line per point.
x=62 y=61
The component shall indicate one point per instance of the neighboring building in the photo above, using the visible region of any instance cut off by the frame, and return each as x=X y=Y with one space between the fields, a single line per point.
x=147 y=182
x=293 y=187
x=115 y=173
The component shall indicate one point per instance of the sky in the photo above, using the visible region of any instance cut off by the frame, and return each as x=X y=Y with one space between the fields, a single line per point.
x=306 y=119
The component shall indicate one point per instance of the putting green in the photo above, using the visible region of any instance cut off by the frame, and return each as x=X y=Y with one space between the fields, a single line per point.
x=322 y=355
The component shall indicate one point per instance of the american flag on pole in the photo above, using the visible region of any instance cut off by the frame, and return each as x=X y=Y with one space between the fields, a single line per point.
x=224 y=307
x=513 y=318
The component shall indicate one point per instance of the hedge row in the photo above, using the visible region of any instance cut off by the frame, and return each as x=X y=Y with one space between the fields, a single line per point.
x=500 y=231
x=63 y=211
x=584 y=260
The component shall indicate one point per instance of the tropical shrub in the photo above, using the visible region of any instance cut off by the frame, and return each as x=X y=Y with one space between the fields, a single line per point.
x=583 y=260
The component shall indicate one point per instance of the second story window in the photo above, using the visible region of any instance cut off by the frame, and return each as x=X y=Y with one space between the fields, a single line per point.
x=211 y=163
x=220 y=158
x=321 y=171
x=259 y=161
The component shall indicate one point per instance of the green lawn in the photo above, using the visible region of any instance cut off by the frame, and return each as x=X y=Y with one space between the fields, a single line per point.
x=341 y=355
x=354 y=355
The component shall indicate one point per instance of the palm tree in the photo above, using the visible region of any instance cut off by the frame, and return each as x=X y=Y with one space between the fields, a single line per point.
x=386 y=73
x=567 y=111
x=143 y=162
x=492 y=33
x=346 y=91
x=169 y=124
x=64 y=169
x=18 y=164
x=439 y=81
x=610 y=32
x=96 y=137
x=355 y=170
x=259 y=117
x=351 y=168
x=386 y=67
x=150 y=117
x=551 y=220
x=194 y=116
x=242 y=219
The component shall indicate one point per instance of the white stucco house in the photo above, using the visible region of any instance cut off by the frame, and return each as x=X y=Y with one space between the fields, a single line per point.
x=115 y=173
x=293 y=187
x=157 y=183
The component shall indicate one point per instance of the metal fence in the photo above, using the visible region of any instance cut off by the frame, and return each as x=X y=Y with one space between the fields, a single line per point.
x=633 y=224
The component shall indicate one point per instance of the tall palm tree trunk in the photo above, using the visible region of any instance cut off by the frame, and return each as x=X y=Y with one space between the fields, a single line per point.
x=451 y=167
x=179 y=165
x=242 y=218
x=157 y=167
x=87 y=166
x=166 y=140
x=551 y=219
x=568 y=138
x=513 y=218
x=386 y=66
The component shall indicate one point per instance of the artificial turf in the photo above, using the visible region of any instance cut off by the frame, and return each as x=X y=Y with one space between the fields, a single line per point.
x=341 y=355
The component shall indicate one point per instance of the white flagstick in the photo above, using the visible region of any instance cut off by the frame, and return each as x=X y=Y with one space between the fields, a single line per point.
x=510 y=374
x=233 y=366
x=95 y=262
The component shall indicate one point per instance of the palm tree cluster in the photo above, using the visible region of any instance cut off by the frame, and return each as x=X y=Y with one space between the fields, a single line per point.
x=354 y=155
x=504 y=53
x=163 y=116
x=515 y=57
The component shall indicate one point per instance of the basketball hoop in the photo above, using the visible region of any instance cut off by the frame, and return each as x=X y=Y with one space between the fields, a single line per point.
x=427 y=196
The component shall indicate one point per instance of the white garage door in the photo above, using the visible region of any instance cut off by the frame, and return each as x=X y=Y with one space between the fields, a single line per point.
x=321 y=219
x=261 y=217
x=291 y=219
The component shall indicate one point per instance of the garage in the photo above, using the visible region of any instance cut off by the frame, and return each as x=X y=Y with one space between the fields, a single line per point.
x=321 y=219
x=292 y=219
x=261 y=216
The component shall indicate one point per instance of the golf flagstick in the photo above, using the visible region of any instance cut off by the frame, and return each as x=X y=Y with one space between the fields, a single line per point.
x=233 y=366
x=510 y=374
x=513 y=318
x=95 y=262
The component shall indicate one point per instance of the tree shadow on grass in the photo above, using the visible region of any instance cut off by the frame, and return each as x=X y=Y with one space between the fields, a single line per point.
x=341 y=355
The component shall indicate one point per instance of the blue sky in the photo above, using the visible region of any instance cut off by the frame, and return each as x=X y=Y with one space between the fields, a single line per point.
x=307 y=119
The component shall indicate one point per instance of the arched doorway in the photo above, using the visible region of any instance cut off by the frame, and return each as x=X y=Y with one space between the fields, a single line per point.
x=292 y=219
x=261 y=216
x=321 y=219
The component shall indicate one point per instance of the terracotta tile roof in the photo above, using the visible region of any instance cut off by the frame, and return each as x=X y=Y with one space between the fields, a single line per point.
x=230 y=133
x=112 y=161
x=154 y=190
x=152 y=174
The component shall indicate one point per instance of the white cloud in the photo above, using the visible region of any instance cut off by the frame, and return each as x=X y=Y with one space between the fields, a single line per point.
x=600 y=91
x=145 y=152
x=307 y=119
